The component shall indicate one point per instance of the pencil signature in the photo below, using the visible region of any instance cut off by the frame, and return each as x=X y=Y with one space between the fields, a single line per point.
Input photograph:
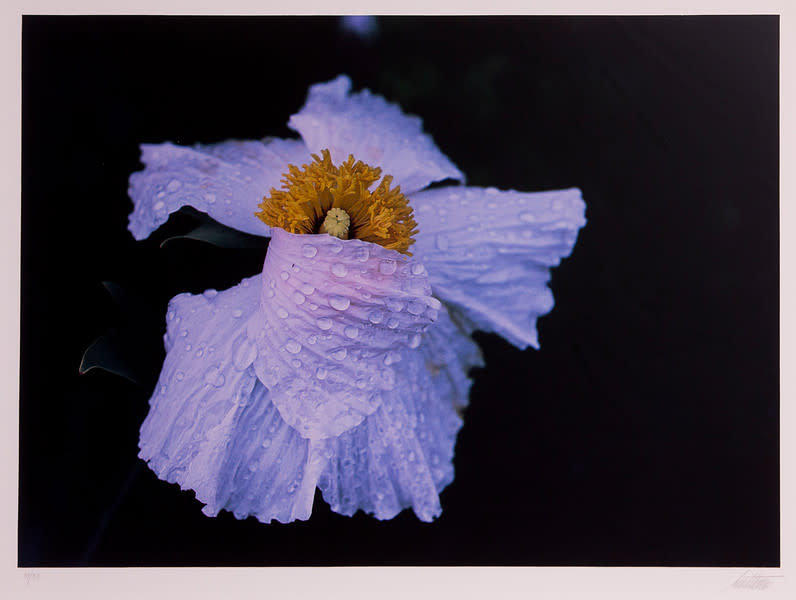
x=754 y=581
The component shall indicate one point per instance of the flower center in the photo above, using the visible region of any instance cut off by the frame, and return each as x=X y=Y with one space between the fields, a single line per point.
x=336 y=223
x=324 y=198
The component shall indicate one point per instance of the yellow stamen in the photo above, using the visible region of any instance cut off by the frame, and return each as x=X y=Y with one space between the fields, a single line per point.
x=324 y=198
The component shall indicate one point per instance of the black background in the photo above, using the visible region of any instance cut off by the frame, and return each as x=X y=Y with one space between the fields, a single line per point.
x=645 y=431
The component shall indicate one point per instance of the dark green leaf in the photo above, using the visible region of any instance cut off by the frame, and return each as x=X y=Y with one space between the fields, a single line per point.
x=221 y=236
x=108 y=354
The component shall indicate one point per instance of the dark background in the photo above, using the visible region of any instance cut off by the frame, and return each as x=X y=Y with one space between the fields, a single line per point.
x=645 y=432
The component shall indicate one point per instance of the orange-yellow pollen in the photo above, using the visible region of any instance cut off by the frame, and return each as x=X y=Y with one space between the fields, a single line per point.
x=324 y=198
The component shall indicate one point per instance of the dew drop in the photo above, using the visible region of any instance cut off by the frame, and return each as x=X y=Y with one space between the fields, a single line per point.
x=387 y=266
x=298 y=298
x=293 y=347
x=184 y=333
x=391 y=358
x=159 y=205
x=361 y=384
x=339 y=354
x=269 y=293
x=336 y=248
x=174 y=185
x=199 y=353
x=321 y=373
x=324 y=323
x=339 y=302
x=442 y=242
x=416 y=308
x=312 y=339
x=527 y=217
x=210 y=198
x=237 y=313
x=171 y=315
x=392 y=323
x=375 y=316
x=295 y=363
x=339 y=270
x=211 y=293
x=244 y=355
x=351 y=332
x=395 y=305
x=363 y=254
x=307 y=289
x=180 y=375
x=418 y=269
x=414 y=340
x=266 y=444
x=284 y=275
x=309 y=251
x=313 y=306
x=281 y=313
x=214 y=377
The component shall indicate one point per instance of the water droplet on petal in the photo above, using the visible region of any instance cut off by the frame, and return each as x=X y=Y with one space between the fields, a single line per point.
x=339 y=302
x=269 y=293
x=527 y=217
x=391 y=358
x=308 y=251
x=281 y=313
x=298 y=298
x=375 y=316
x=339 y=354
x=414 y=340
x=392 y=323
x=179 y=375
x=312 y=339
x=336 y=248
x=442 y=242
x=339 y=270
x=361 y=384
x=321 y=373
x=199 y=353
x=387 y=266
x=284 y=275
x=214 y=377
x=324 y=323
x=307 y=289
x=293 y=347
x=244 y=354
x=237 y=313
x=174 y=185
x=295 y=363
x=418 y=269
x=171 y=315
x=266 y=443
x=210 y=198
x=363 y=254
x=415 y=307
x=351 y=332
x=211 y=293
x=395 y=305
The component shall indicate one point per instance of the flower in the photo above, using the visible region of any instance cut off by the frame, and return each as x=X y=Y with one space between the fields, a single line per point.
x=344 y=364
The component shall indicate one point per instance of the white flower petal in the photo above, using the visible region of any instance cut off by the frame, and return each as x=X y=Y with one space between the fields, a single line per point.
x=489 y=253
x=227 y=181
x=374 y=131
x=402 y=455
x=334 y=317
x=212 y=426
